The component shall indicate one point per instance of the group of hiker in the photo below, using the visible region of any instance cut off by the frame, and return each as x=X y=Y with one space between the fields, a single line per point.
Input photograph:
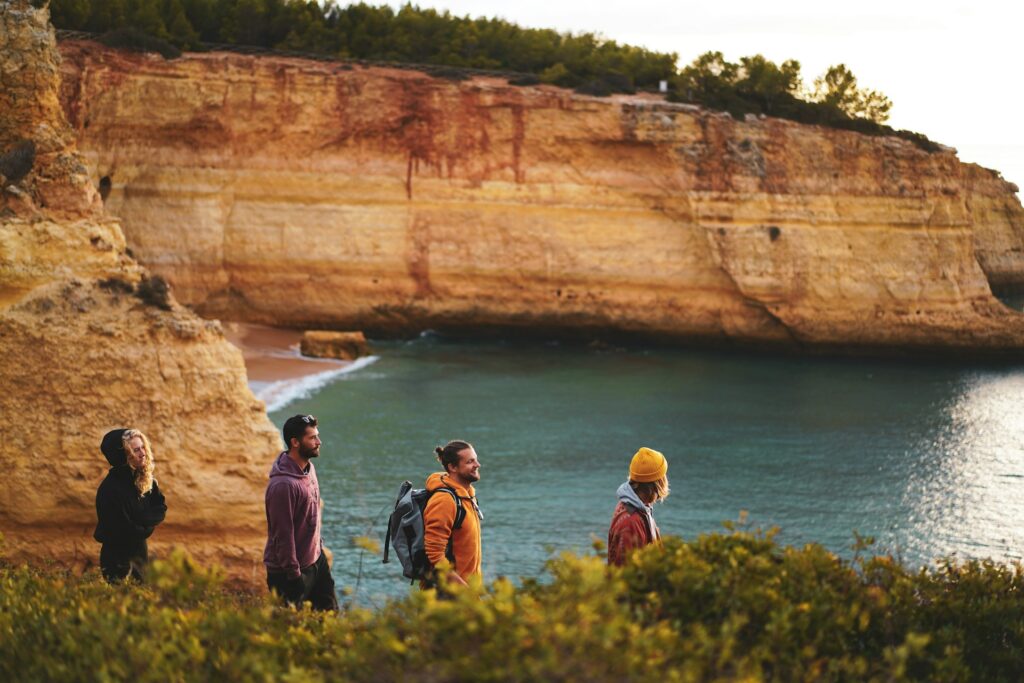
x=434 y=531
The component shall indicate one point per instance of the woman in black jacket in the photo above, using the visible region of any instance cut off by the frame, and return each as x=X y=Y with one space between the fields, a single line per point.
x=129 y=505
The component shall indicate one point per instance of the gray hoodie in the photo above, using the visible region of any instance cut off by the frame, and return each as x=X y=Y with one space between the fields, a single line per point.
x=627 y=495
x=293 y=517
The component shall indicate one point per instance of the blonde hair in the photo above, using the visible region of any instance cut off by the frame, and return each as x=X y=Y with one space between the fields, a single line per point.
x=143 y=476
x=653 y=491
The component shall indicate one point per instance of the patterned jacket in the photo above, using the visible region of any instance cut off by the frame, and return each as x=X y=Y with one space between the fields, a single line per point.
x=632 y=526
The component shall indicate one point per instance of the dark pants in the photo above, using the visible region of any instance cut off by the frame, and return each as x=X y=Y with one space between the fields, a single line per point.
x=119 y=561
x=315 y=585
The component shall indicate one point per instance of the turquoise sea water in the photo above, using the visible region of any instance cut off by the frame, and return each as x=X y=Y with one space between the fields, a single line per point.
x=926 y=457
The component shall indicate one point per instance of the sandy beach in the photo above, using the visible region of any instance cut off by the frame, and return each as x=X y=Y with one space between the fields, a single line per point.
x=278 y=373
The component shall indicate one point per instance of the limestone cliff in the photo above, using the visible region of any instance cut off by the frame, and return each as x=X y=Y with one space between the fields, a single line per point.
x=304 y=193
x=84 y=353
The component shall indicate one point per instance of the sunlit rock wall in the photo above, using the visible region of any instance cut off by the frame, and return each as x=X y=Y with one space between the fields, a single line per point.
x=82 y=353
x=307 y=193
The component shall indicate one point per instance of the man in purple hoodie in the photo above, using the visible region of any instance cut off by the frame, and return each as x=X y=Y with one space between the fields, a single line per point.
x=297 y=569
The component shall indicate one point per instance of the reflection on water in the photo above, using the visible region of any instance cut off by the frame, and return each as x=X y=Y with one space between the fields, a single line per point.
x=966 y=498
x=925 y=457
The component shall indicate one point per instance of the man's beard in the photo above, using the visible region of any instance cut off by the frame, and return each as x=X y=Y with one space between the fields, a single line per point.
x=308 y=454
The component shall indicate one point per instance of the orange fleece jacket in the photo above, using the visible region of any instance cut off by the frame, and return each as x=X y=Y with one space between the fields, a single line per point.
x=438 y=519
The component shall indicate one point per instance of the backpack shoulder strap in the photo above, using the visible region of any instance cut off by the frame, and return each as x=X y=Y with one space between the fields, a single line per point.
x=460 y=512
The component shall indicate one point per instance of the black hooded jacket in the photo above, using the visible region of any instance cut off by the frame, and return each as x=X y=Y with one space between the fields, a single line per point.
x=124 y=517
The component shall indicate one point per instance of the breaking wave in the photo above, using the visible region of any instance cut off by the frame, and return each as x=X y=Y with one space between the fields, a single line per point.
x=279 y=394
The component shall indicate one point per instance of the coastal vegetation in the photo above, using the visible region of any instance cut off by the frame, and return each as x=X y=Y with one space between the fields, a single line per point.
x=584 y=61
x=727 y=606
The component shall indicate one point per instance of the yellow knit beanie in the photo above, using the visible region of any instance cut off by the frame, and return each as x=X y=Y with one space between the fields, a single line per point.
x=648 y=465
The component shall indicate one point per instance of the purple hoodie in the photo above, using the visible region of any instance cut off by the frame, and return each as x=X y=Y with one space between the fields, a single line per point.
x=293 y=517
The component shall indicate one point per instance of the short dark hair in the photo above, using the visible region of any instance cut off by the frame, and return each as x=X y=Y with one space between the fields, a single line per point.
x=449 y=453
x=295 y=428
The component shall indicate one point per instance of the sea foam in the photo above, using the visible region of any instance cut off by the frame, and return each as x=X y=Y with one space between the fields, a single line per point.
x=279 y=394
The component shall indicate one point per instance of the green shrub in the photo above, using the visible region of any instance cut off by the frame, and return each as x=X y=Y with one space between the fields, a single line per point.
x=722 y=607
x=526 y=79
x=117 y=285
x=595 y=87
x=606 y=85
x=130 y=38
x=585 y=61
x=155 y=291
x=449 y=73
x=367 y=32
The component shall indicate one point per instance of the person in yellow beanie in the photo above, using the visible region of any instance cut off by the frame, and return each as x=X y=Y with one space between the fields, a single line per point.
x=633 y=523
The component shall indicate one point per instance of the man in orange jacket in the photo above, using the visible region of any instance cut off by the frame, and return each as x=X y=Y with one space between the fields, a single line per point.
x=463 y=556
x=633 y=520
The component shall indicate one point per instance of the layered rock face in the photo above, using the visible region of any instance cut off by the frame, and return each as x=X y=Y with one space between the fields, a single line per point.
x=320 y=195
x=340 y=345
x=83 y=353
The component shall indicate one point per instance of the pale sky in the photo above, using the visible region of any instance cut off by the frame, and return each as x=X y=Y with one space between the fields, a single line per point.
x=951 y=68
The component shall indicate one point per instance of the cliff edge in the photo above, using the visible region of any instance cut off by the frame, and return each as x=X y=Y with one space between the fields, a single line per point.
x=87 y=347
x=305 y=193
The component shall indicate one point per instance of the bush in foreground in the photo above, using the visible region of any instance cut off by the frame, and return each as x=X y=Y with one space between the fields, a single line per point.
x=722 y=607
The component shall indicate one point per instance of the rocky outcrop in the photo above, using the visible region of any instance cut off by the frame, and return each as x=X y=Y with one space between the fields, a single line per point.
x=86 y=350
x=314 y=194
x=340 y=345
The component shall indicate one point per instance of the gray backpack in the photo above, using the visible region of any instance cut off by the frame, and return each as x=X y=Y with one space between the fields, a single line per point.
x=405 y=530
